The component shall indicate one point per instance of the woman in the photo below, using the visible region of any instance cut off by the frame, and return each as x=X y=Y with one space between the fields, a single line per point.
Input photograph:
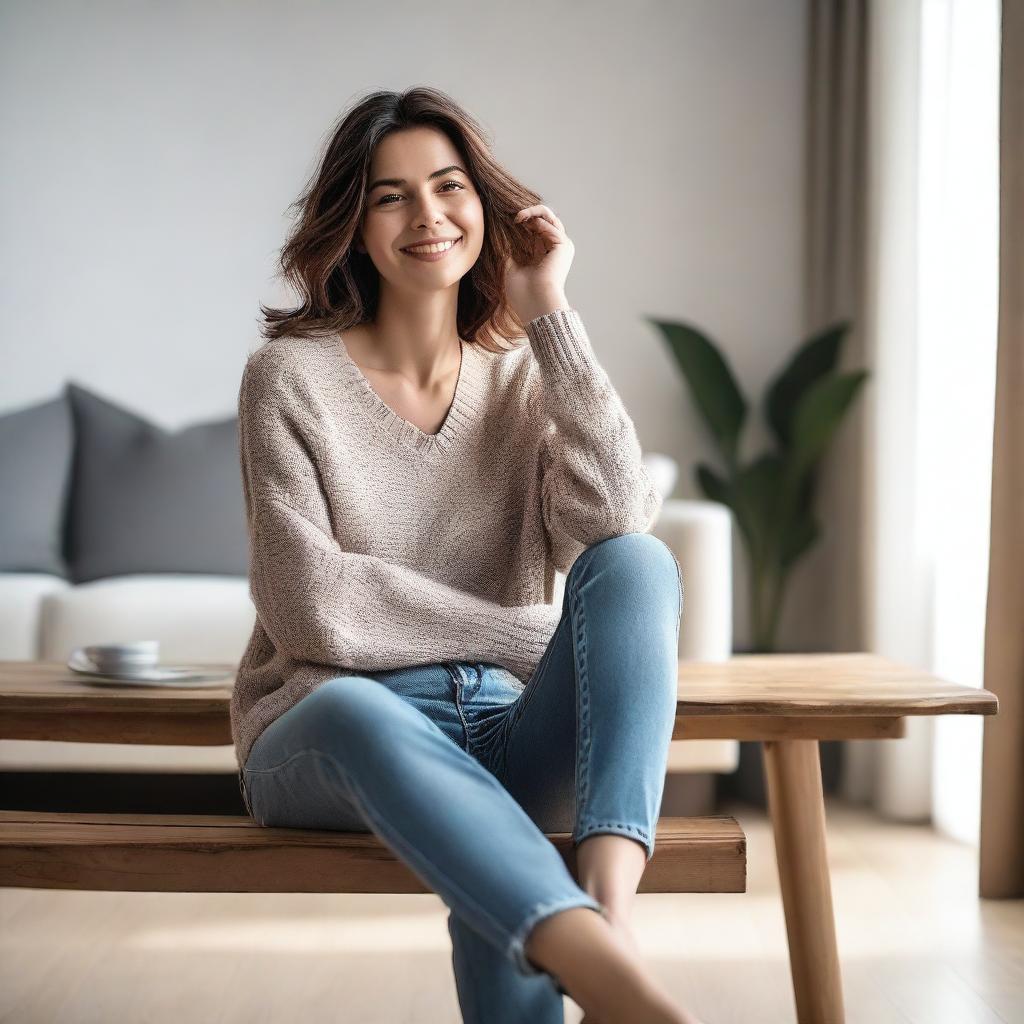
x=412 y=483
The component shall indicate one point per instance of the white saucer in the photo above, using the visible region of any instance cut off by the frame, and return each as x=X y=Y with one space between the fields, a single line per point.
x=166 y=677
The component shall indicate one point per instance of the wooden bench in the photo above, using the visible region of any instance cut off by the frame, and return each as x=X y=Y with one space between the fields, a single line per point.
x=788 y=702
x=210 y=853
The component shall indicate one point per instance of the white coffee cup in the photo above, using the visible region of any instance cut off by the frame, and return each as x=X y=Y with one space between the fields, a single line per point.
x=123 y=657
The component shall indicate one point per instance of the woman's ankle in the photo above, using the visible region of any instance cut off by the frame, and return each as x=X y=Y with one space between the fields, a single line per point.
x=560 y=939
x=601 y=972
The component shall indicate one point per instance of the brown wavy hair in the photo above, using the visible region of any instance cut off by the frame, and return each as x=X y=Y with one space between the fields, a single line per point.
x=339 y=286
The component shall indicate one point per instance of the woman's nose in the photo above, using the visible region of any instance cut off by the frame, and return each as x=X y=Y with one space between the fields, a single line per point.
x=428 y=212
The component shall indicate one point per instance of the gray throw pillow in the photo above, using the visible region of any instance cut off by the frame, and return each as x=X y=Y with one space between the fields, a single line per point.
x=36 y=446
x=146 y=500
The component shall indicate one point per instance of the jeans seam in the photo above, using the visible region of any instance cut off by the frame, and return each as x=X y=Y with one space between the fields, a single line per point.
x=456 y=675
x=679 y=616
x=569 y=590
x=411 y=854
x=583 y=733
x=305 y=752
x=273 y=768
x=582 y=708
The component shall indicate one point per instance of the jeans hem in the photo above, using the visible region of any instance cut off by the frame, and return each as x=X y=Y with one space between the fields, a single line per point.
x=517 y=945
x=617 y=828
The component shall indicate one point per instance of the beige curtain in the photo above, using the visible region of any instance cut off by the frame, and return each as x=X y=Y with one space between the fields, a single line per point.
x=835 y=171
x=1002 y=805
x=850 y=273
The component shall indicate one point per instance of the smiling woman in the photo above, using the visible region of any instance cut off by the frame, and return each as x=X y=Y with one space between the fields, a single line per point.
x=412 y=486
x=353 y=233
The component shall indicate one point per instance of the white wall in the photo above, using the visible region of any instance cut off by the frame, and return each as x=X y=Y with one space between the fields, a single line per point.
x=149 y=153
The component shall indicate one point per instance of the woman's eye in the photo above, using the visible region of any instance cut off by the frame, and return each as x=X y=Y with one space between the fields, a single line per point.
x=384 y=199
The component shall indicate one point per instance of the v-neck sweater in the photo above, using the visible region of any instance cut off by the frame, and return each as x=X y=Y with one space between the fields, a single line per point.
x=374 y=545
x=464 y=403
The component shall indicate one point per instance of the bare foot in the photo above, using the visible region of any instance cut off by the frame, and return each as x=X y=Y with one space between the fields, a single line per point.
x=623 y=935
x=623 y=931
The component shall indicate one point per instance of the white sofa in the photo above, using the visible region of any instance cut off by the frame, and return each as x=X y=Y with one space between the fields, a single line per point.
x=199 y=618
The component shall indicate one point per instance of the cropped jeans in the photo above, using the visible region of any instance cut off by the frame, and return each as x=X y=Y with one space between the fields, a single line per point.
x=459 y=768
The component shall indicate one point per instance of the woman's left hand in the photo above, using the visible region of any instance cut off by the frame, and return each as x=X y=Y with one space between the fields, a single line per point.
x=538 y=287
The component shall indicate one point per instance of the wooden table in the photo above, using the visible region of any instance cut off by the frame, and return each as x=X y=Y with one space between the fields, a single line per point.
x=789 y=702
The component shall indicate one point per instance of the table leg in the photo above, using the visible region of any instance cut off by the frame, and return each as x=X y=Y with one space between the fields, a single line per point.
x=797 y=806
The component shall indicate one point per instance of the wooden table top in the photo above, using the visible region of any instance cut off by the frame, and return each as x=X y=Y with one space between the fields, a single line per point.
x=828 y=695
x=778 y=684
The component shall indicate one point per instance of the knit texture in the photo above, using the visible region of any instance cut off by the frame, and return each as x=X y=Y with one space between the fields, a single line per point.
x=374 y=545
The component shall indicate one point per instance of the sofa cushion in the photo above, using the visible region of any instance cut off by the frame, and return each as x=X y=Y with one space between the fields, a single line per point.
x=147 y=500
x=195 y=618
x=36 y=444
x=21 y=604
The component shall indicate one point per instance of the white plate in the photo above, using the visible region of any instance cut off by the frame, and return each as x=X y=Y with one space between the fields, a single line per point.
x=167 y=676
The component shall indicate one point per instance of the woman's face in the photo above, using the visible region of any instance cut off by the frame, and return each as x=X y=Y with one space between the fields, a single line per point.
x=413 y=203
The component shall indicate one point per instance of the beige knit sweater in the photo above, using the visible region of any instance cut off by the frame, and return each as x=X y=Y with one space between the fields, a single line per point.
x=374 y=545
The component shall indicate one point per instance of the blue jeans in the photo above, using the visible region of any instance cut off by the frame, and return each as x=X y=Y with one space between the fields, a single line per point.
x=459 y=768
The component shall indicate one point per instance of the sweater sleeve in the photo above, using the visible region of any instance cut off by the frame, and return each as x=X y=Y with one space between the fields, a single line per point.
x=594 y=483
x=320 y=603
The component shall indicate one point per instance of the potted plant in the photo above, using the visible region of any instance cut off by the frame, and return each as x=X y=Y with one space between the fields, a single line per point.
x=772 y=497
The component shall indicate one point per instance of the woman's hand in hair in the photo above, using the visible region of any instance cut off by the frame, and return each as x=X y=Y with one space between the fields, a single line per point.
x=538 y=286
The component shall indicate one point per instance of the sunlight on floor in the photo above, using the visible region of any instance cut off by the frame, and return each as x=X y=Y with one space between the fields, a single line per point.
x=916 y=945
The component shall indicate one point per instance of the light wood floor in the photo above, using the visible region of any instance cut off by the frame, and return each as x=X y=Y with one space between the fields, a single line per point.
x=916 y=943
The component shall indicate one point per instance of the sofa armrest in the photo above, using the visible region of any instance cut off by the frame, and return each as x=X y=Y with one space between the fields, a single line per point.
x=700 y=536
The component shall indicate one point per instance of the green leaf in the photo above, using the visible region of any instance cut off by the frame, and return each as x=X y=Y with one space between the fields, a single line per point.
x=717 y=489
x=818 y=415
x=712 y=485
x=711 y=382
x=812 y=361
x=756 y=492
x=797 y=536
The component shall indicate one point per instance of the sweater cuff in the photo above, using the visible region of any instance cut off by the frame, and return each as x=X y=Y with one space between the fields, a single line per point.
x=562 y=346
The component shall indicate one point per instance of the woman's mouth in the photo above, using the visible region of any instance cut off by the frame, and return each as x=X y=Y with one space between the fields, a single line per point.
x=432 y=253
